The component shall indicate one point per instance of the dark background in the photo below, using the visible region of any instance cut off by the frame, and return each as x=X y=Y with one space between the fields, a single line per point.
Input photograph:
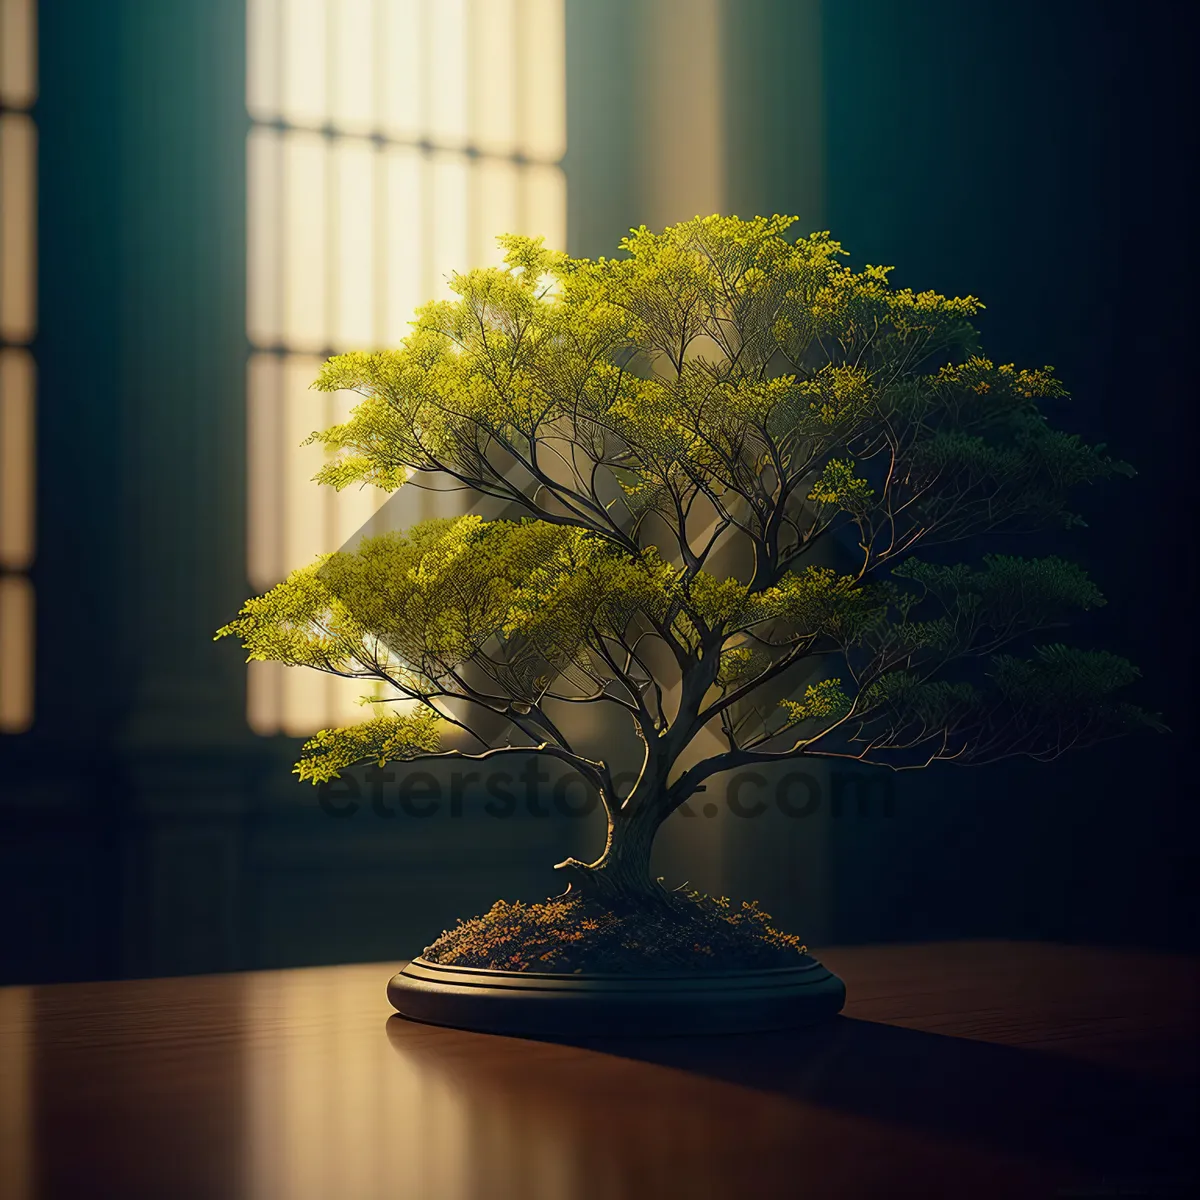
x=1038 y=155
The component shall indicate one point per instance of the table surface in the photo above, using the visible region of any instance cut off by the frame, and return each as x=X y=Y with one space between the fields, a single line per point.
x=958 y=1069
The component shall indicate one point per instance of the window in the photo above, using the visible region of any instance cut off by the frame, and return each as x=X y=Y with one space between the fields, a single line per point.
x=18 y=306
x=391 y=141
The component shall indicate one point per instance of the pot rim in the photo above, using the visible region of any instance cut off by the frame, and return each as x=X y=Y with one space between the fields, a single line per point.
x=807 y=964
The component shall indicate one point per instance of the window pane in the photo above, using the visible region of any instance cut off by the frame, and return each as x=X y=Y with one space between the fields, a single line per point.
x=264 y=230
x=493 y=45
x=448 y=226
x=404 y=208
x=263 y=82
x=351 y=510
x=543 y=91
x=352 y=38
x=344 y=698
x=16 y=459
x=496 y=205
x=264 y=458
x=305 y=223
x=18 y=52
x=446 y=71
x=305 y=62
x=400 y=45
x=307 y=524
x=265 y=684
x=544 y=205
x=353 y=165
x=16 y=653
x=18 y=176
x=306 y=701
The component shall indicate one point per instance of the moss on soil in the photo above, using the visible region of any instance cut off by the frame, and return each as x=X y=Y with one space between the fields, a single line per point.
x=570 y=934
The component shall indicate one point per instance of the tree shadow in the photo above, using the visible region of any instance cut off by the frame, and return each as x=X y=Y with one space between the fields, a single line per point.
x=1103 y=1120
x=1117 y=1128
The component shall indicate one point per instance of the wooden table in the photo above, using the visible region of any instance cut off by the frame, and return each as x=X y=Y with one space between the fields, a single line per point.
x=965 y=1070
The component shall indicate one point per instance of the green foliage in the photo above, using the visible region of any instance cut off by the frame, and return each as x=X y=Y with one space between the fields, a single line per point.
x=299 y=622
x=1062 y=677
x=983 y=455
x=837 y=485
x=1004 y=597
x=381 y=740
x=936 y=704
x=681 y=435
x=822 y=701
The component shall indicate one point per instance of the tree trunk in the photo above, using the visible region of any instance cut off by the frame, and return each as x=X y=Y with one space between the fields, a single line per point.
x=621 y=875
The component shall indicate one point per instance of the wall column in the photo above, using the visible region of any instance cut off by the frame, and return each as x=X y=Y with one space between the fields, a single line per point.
x=182 y=743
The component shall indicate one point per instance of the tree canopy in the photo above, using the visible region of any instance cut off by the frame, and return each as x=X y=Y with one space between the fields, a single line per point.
x=737 y=475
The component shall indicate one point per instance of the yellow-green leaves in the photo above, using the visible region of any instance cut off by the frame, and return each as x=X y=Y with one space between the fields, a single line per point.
x=529 y=259
x=837 y=485
x=380 y=740
x=587 y=590
x=438 y=594
x=722 y=376
x=672 y=351
x=736 y=663
x=839 y=396
x=299 y=622
x=981 y=375
x=719 y=603
x=818 y=602
x=823 y=701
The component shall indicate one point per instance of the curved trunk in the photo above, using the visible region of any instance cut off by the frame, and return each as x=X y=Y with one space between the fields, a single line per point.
x=622 y=872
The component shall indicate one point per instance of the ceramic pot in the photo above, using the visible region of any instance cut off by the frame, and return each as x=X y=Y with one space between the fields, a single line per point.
x=651 y=1004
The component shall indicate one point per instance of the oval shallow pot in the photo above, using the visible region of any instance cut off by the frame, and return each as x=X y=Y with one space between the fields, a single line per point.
x=647 y=1005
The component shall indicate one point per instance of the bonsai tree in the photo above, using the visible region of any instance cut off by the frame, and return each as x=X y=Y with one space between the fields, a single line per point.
x=743 y=492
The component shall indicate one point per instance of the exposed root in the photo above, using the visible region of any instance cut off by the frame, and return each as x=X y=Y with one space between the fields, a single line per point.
x=609 y=888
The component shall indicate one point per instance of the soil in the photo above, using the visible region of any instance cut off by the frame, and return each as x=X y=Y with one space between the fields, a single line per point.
x=573 y=934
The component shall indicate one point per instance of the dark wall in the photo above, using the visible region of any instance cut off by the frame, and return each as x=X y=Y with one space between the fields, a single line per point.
x=1040 y=156
x=57 y=842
